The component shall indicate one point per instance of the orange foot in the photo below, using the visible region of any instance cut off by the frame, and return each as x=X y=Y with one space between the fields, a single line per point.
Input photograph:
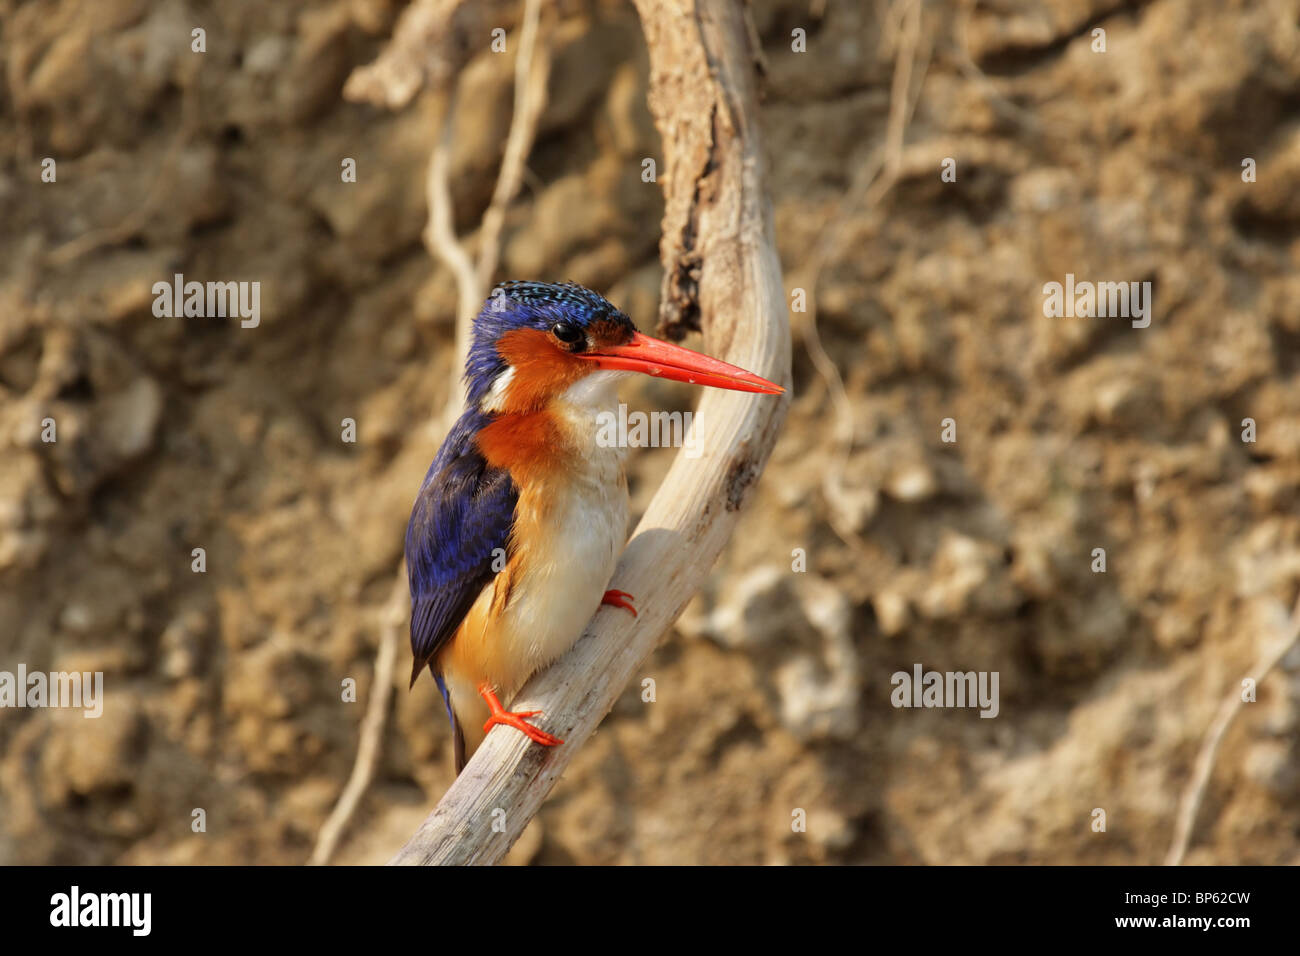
x=619 y=599
x=502 y=716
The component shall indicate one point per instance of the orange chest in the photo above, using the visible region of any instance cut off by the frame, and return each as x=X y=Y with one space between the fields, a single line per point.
x=532 y=446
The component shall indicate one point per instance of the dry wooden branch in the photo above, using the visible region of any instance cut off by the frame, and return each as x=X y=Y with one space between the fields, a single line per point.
x=721 y=265
x=1228 y=710
x=393 y=620
x=532 y=71
x=440 y=239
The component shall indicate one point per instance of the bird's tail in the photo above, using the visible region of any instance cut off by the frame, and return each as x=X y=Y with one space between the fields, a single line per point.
x=459 y=745
x=457 y=734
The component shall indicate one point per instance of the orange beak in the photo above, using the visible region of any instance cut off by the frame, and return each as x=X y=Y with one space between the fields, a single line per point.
x=651 y=356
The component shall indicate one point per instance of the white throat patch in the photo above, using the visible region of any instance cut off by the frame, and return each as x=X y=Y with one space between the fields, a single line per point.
x=597 y=390
x=495 y=399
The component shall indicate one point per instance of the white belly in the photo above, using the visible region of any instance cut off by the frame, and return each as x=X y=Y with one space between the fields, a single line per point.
x=564 y=577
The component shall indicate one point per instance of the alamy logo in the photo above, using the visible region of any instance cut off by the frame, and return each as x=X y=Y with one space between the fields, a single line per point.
x=103 y=909
x=210 y=300
x=82 y=689
x=1088 y=300
x=923 y=688
x=647 y=430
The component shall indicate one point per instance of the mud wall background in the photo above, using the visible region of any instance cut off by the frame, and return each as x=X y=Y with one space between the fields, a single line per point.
x=773 y=693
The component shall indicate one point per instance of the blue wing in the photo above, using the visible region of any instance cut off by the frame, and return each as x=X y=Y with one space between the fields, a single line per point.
x=463 y=513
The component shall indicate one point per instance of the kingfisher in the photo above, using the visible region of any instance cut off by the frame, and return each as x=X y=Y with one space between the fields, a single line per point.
x=521 y=517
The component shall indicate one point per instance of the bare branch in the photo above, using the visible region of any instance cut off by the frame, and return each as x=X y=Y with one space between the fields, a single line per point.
x=532 y=71
x=440 y=236
x=372 y=725
x=1228 y=710
x=703 y=98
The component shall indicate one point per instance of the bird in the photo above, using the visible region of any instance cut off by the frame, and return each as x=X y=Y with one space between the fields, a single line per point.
x=516 y=528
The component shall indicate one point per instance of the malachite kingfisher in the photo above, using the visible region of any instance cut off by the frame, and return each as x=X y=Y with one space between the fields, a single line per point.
x=516 y=529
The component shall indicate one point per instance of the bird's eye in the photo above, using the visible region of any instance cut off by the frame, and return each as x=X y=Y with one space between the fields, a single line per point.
x=566 y=332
